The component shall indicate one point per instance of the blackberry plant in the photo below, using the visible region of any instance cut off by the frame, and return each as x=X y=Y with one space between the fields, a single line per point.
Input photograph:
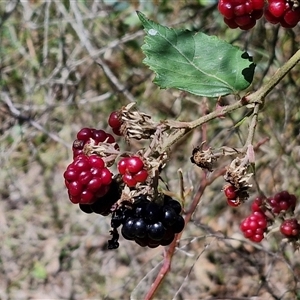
x=136 y=198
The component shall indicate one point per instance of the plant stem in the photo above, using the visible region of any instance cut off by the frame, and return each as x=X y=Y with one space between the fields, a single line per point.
x=261 y=93
x=252 y=127
x=170 y=251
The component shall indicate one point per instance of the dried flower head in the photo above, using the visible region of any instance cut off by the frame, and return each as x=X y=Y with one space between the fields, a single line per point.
x=237 y=175
x=203 y=158
x=107 y=151
x=135 y=124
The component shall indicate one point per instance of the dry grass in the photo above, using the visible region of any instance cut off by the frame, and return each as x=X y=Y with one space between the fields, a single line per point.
x=51 y=86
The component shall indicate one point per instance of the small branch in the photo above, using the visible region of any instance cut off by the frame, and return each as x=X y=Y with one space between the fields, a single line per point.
x=18 y=115
x=169 y=253
x=188 y=126
x=252 y=127
x=261 y=93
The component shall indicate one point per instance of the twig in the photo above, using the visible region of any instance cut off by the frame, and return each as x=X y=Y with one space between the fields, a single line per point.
x=168 y=254
x=261 y=93
x=18 y=115
x=252 y=127
x=83 y=36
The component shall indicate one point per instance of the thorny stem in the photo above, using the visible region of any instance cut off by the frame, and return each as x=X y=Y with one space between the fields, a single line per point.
x=188 y=126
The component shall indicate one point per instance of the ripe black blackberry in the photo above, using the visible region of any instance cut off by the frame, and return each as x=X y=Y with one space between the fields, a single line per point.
x=148 y=223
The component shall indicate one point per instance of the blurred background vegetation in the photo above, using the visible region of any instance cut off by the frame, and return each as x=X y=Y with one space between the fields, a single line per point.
x=65 y=65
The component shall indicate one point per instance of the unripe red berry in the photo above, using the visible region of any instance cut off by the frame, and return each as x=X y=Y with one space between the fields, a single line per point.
x=290 y=228
x=230 y=192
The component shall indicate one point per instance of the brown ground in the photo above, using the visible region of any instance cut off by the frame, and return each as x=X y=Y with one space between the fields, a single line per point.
x=50 y=87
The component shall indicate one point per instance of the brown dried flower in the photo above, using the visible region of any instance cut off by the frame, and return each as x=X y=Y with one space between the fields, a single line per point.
x=238 y=176
x=203 y=158
x=135 y=124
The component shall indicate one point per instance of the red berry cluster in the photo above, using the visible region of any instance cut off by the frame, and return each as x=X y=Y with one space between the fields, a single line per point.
x=255 y=225
x=244 y=13
x=241 y=13
x=148 y=223
x=287 y=13
x=290 y=228
x=147 y=220
x=132 y=170
x=281 y=206
x=86 y=134
x=115 y=123
x=87 y=179
x=282 y=202
x=231 y=195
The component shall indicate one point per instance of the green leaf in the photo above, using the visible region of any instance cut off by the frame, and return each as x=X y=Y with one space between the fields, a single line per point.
x=195 y=62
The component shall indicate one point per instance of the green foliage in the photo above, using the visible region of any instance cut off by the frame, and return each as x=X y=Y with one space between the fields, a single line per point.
x=195 y=62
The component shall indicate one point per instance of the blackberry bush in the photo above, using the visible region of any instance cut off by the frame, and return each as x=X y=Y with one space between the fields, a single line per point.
x=136 y=198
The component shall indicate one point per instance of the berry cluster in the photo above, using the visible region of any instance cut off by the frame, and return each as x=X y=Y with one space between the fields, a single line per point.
x=125 y=195
x=231 y=195
x=85 y=135
x=87 y=179
x=241 y=13
x=148 y=223
x=115 y=123
x=290 y=228
x=254 y=226
x=244 y=13
x=264 y=211
x=287 y=13
x=235 y=196
x=282 y=202
x=103 y=204
x=132 y=170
